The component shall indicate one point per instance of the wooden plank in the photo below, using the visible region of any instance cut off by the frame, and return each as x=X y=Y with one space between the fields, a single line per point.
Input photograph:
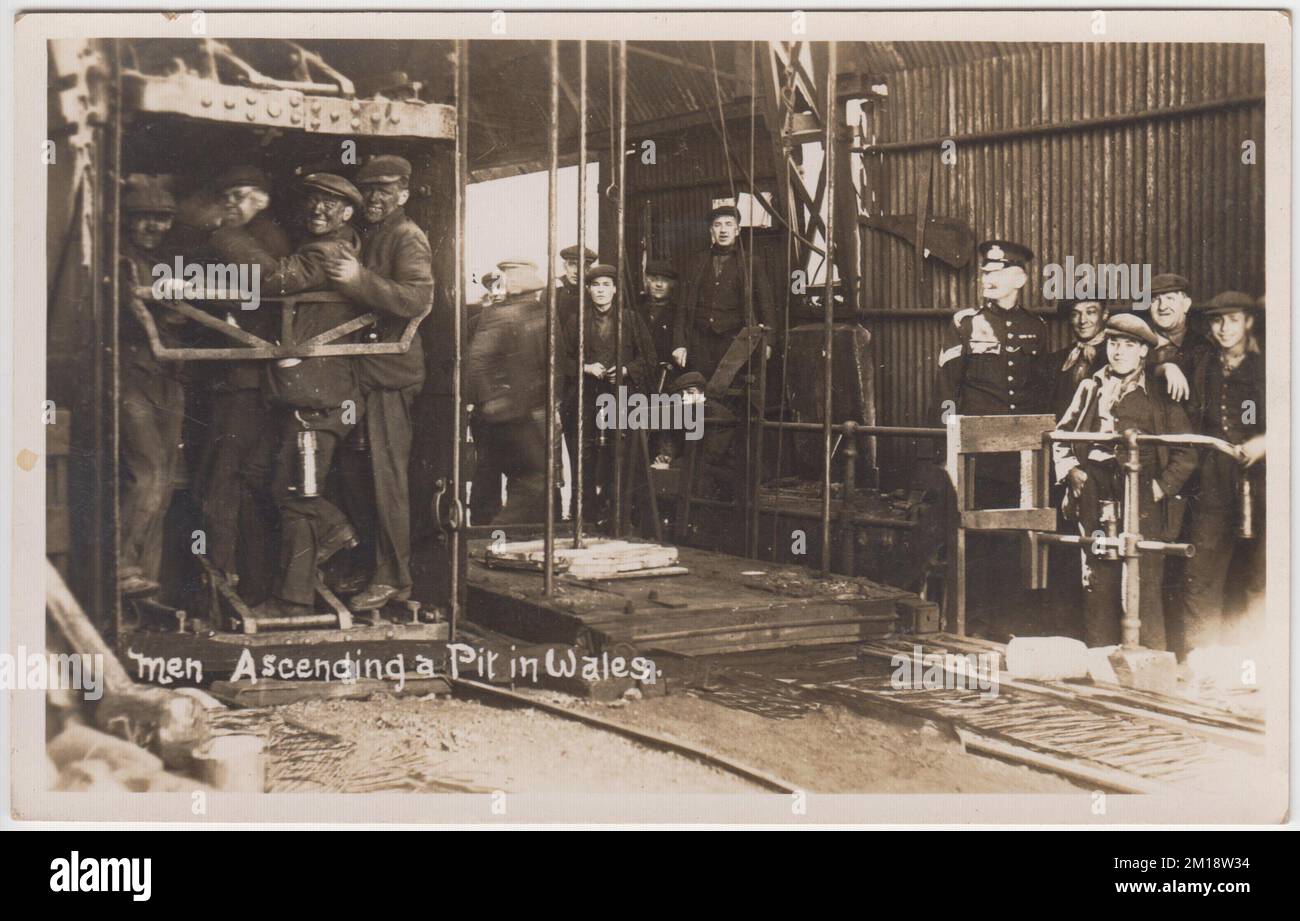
x=1009 y=519
x=999 y=434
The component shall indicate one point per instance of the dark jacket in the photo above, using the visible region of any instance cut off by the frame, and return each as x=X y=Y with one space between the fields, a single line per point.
x=506 y=361
x=321 y=383
x=722 y=302
x=396 y=282
x=1065 y=381
x=1217 y=403
x=638 y=350
x=1144 y=408
x=133 y=336
x=661 y=320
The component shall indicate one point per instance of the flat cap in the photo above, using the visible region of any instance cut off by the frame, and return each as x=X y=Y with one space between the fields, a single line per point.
x=334 y=185
x=724 y=211
x=570 y=254
x=601 y=270
x=689 y=379
x=384 y=168
x=661 y=268
x=243 y=175
x=1131 y=327
x=521 y=276
x=148 y=196
x=1001 y=254
x=1230 y=302
x=1168 y=283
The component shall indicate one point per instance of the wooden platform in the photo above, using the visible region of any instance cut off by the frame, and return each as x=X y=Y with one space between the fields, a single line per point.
x=723 y=604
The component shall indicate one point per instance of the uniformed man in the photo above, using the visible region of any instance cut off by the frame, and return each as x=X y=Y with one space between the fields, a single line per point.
x=507 y=387
x=1116 y=399
x=317 y=400
x=600 y=366
x=152 y=398
x=238 y=515
x=1228 y=402
x=659 y=305
x=723 y=293
x=395 y=280
x=1179 y=343
x=1084 y=356
x=566 y=321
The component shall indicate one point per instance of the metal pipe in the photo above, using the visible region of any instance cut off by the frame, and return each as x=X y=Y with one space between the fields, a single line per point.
x=553 y=148
x=1085 y=124
x=576 y=461
x=847 y=555
x=828 y=170
x=458 y=320
x=900 y=431
x=1131 y=625
x=1208 y=441
x=623 y=289
x=110 y=465
x=1148 y=546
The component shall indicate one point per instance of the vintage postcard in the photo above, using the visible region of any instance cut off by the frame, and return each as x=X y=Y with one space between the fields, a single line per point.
x=770 y=417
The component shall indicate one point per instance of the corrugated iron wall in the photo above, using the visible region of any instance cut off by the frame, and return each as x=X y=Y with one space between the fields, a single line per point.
x=1171 y=191
x=1166 y=189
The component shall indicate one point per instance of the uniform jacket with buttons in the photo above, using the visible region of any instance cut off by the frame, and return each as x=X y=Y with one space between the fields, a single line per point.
x=396 y=282
x=993 y=363
x=720 y=301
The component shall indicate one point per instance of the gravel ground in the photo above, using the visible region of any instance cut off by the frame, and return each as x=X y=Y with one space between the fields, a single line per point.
x=387 y=742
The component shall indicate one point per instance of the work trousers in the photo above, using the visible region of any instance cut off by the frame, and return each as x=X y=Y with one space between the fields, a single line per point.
x=152 y=410
x=239 y=515
x=375 y=484
x=1219 y=551
x=518 y=449
x=1104 y=580
x=305 y=521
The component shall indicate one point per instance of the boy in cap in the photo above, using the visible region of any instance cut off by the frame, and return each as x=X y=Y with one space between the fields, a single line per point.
x=566 y=321
x=1228 y=401
x=393 y=278
x=658 y=306
x=1116 y=399
x=723 y=293
x=599 y=367
x=318 y=394
x=152 y=399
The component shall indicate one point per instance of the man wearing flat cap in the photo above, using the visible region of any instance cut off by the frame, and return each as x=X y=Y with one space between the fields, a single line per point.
x=1228 y=401
x=238 y=515
x=566 y=321
x=506 y=383
x=1180 y=344
x=393 y=278
x=659 y=306
x=723 y=293
x=1116 y=399
x=320 y=395
x=152 y=398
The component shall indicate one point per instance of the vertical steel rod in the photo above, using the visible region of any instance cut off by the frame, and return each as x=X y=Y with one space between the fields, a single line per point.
x=828 y=166
x=112 y=188
x=461 y=80
x=553 y=148
x=623 y=286
x=1131 y=625
x=575 y=462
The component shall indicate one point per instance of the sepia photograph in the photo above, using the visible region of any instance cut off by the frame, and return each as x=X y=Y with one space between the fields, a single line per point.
x=775 y=418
